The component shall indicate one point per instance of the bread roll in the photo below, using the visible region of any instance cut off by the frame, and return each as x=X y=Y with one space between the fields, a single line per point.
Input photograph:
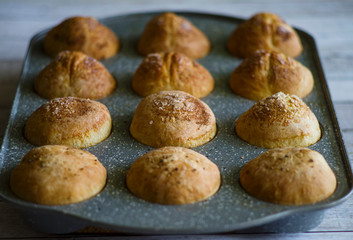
x=290 y=176
x=172 y=71
x=172 y=33
x=173 y=175
x=84 y=34
x=264 y=31
x=57 y=175
x=264 y=74
x=74 y=74
x=76 y=122
x=280 y=120
x=173 y=118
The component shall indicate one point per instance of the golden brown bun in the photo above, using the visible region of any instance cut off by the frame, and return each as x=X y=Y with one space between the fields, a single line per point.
x=172 y=71
x=172 y=33
x=280 y=120
x=84 y=34
x=264 y=31
x=291 y=176
x=173 y=175
x=264 y=74
x=56 y=175
x=76 y=122
x=74 y=74
x=173 y=118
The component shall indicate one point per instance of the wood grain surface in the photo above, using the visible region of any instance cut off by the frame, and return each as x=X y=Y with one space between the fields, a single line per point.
x=329 y=22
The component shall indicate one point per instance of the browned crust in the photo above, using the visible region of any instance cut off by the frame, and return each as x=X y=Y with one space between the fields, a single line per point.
x=56 y=175
x=74 y=74
x=291 y=176
x=264 y=74
x=70 y=121
x=264 y=31
x=173 y=175
x=169 y=32
x=173 y=118
x=84 y=34
x=280 y=120
x=172 y=71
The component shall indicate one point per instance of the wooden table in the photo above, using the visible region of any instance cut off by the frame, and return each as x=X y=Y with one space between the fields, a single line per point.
x=330 y=22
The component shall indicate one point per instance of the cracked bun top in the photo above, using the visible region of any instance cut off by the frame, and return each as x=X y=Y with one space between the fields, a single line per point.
x=290 y=176
x=77 y=122
x=173 y=175
x=172 y=71
x=74 y=74
x=173 y=118
x=264 y=74
x=264 y=31
x=57 y=175
x=84 y=34
x=280 y=120
x=169 y=32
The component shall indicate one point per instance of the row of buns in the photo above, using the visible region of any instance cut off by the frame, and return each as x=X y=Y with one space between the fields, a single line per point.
x=169 y=32
x=259 y=76
x=172 y=120
x=58 y=174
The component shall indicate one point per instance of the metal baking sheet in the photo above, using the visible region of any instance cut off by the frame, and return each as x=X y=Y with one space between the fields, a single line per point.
x=231 y=209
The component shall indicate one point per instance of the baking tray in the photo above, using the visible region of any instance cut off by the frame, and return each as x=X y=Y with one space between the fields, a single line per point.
x=231 y=209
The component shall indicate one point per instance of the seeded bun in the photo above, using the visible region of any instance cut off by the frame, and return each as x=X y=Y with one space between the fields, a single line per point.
x=173 y=175
x=264 y=31
x=57 y=175
x=290 y=176
x=264 y=74
x=173 y=118
x=84 y=34
x=74 y=74
x=280 y=120
x=172 y=71
x=169 y=32
x=76 y=122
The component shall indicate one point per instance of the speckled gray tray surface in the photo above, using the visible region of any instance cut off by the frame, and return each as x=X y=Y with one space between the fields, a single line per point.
x=115 y=207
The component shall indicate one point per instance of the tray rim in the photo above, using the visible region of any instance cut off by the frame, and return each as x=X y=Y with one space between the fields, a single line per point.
x=18 y=203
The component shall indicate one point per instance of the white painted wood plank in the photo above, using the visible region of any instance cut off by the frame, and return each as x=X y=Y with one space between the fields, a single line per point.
x=323 y=26
x=313 y=7
x=320 y=18
x=338 y=65
x=15 y=227
x=329 y=35
x=17 y=52
x=301 y=236
x=341 y=91
x=12 y=224
x=344 y=112
x=338 y=218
